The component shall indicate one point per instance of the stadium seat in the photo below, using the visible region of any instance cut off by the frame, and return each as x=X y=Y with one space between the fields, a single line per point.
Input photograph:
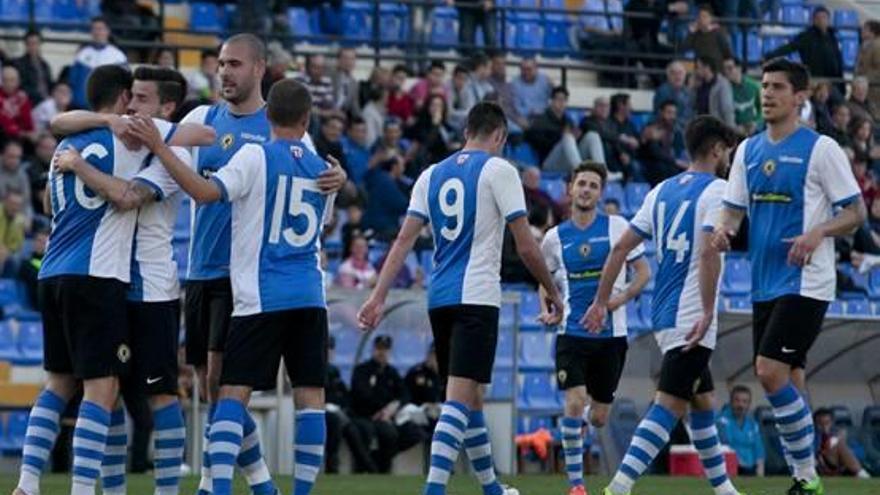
x=357 y=22
x=528 y=35
x=536 y=351
x=9 y=292
x=504 y=348
x=299 y=22
x=501 y=387
x=444 y=27
x=753 y=47
x=524 y=155
x=14 y=10
x=846 y=19
x=392 y=22
x=737 y=278
x=635 y=193
x=614 y=190
x=204 y=17
x=797 y=15
x=874 y=284
x=538 y=392
x=30 y=341
x=522 y=424
x=506 y=315
x=409 y=348
x=858 y=307
x=554 y=187
x=8 y=349
x=849 y=48
x=16 y=426
x=557 y=41
x=347 y=341
x=529 y=310
x=836 y=308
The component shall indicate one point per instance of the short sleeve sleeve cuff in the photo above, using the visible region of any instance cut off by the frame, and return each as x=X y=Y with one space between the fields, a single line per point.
x=640 y=232
x=847 y=200
x=730 y=204
x=157 y=191
x=514 y=215
x=417 y=214
x=224 y=194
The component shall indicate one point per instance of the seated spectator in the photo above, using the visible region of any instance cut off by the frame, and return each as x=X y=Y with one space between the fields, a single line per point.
x=676 y=89
x=204 y=83
x=37 y=170
x=328 y=142
x=380 y=77
x=460 y=102
x=739 y=430
x=29 y=269
x=423 y=383
x=12 y=228
x=386 y=199
x=840 y=118
x=320 y=86
x=707 y=38
x=864 y=179
x=714 y=94
x=400 y=103
x=356 y=149
x=859 y=104
x=166 y=58
x=626 y=143
x=13 y=176
x=868 y=61
x=356 y=272
x=377 y=392
x=643 y=28
x=432 y=84
x=502 y=89
x=375 y=113
x=36 y=75
x=662 y=145
x=554 y=137
x=611 y=206
x=353 y=226
x=861 y=132
x=433 y=135
x=345 y=84
x=746 y=97
x=537 y=197
x=820 y=102
x=478 y=86
x=59 y=102
x=599 y=121
x=16 y=120
x=531 y=92
x=473 y=14
x=337 y=400
x=833 y=455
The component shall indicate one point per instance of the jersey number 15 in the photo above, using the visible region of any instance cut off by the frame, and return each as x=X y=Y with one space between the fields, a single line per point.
x=296 y=206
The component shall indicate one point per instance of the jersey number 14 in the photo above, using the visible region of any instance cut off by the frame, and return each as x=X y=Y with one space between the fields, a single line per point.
x=677 y=243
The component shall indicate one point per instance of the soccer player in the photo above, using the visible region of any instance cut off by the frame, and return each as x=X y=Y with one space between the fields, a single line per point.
x=799 y=192
x=677 y=214
x=239 y=119
x=575 y=252
x=467 y=199
x=82 y=284
x=154 y=294
x=280 y=310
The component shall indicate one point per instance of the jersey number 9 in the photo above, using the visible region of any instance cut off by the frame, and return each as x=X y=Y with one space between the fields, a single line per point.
x=295 y=207
x=452 y=207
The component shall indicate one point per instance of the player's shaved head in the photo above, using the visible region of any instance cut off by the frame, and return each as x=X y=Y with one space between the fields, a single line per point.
x=289 y=103
x=105 y=86
x=242 y=64
x=254 y=44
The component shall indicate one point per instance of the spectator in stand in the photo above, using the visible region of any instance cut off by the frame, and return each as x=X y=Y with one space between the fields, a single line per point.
x=818 y=48
x=833 y=456
x=337 y=400
x=820 y=103
x=713 y=94
x=601 y=29
x=345 y=85
x=423 y=382
x=14 y=177
x=861 y=132
x=278 y=63
x=643 y=28
x=502 y=89
x=59 y=102
x=328 y=142
x=353 y=226
x=12 y=228
x=320 y=86
x=739 y=430
x=868 y=61
x=859 y=163
x=386 y=199
x=356 y=272
x=166 y=58
x=97 y=52
x=375 y=113
x=37 y=169
x=859 y=104
x=552 y=135
x=611 y=206
x=707 y=39
x=460 y=102
x=840 y=117
x=473 y=13
x=16 y=120
x=432 y=134
x=391 y=144
x=36 y=75
x=380 y=77
x=676 y=89
x=356 y=150
x=531 y=92
x=29 y=270
x=627 y=140
x=400 y=103
x=599 y=121
x=537 y=197
x=478 y=86
x=204 y=84
x=746 y=97
x=432 y=84
x=662 y=145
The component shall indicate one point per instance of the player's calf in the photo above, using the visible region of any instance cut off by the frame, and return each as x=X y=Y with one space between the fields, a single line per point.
x=310 y=438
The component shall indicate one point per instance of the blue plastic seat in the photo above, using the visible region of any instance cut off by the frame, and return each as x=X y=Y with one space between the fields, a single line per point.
x=554 y=187
x=795 y=14
x=299 y=22
x=501 y=387
x=753 y=46
x=614 y=190
x=357 y=22
x=538 y=392
x=205 y=17
x=16 y=426
x=524 y=154
x=849 y=48
x=528 y=36
x=444 y=27
x=846 y=18
x=557 y=41
x=536 y=351
x=504 y=348
x=393 y=22
x=737 y=278
x=8 y=349
x=14 y=10
x=858 y=307
x=30 y=341
x=529 y=310
x=635 y=193
x=9 y=292
x=836 y=308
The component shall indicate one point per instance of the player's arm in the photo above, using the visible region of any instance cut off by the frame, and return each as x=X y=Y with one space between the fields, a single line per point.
x=530 y=254
x=200 y=189
x=123 y=195
x=709 y=273
x=47 y=202
x=641 y=277
x=550 y=250
x=594 y=318
x=74 y=121
x=371 y=312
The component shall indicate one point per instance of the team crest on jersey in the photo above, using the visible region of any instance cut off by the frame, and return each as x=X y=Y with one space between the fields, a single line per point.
x=123 y=353
x=296 y=151
x=461 y=159
x=685 y=179
x=585 y=249
x=226 y=141
x=768 y=167
x=562 y=376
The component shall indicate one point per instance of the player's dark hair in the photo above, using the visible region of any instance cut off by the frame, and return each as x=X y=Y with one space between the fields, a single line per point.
x=170 y=84
x=706 y=131
x=823 y=411
x=478 y=60
x=589 y=166
x=289 y=103
x=666 y=103
x=618 y=100
x=460 y=69
x=356 y=120
x=258 y=48
x=740 y=389
x=400 y=68
x=435 y=64
x=11 y=142
x=797 y=74
x=557 y=90
x=32 y=32
x=106 y=83
x=485 y=118
x=209 y=53
x=99 y=18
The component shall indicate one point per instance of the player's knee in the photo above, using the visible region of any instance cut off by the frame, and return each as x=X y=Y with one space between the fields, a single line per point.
x=598 y=416
x=308 y=397
x=159 y=401
x=62 y=385
x=575 y=402
x=102 y=391
x=771 y=374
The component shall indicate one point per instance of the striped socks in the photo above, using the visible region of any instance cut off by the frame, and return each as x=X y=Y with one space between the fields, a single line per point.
x=308 y=449
x=42 y=431
x=115 y=455
x=479 y=451
x=573 y=445
x=795 y=424
x=704 y=435
x=448 y=436
x=169 y=437
x=89 y=441
x=250 y=460
x=225 y=443
x=650 y=437
x=205 y=487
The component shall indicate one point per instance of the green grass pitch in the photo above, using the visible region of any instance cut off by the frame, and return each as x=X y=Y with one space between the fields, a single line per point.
x=465 y=485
